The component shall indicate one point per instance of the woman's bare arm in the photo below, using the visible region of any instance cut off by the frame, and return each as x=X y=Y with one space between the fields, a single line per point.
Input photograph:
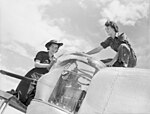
x=95 y=50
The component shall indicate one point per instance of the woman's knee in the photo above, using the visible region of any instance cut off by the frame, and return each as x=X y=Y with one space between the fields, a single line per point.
x=123 y=53
x=124 y=47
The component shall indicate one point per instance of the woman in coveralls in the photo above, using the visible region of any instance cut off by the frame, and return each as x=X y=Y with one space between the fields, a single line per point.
x=43 y=62
x=125 y=55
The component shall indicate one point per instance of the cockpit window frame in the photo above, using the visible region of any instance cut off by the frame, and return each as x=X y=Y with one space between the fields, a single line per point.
x=75 y=71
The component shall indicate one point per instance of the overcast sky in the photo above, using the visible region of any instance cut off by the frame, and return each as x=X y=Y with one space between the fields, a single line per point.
x=26 y=25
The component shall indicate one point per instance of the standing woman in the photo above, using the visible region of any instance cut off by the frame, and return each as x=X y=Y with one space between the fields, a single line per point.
x=125 y=56
x=43 y=62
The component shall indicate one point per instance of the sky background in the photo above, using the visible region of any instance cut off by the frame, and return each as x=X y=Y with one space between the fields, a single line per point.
x=26 y=25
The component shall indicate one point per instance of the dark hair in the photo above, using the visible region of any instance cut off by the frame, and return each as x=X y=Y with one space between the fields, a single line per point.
x=112 y=25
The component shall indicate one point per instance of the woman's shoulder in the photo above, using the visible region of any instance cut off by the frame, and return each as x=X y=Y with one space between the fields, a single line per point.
x=109 y=38
x=42 y=52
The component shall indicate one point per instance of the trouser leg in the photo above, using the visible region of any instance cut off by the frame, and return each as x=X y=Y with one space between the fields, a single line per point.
x=123 y=54
x=23 y=87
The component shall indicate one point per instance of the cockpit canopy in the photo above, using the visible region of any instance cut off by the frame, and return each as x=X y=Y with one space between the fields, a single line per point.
x=74 y=60
x=65 y=85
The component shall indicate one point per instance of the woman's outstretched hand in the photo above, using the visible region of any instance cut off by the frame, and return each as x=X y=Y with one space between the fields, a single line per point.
x=81 y=54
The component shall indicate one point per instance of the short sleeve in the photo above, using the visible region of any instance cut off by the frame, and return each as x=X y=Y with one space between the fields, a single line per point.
x=38 y=56
x=106 y=43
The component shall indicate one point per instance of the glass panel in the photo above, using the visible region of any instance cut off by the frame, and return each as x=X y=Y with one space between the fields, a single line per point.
x=69 y=92
x=66 y=93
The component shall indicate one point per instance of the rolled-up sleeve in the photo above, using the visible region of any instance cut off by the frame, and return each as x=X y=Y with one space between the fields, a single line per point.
x=106 y=43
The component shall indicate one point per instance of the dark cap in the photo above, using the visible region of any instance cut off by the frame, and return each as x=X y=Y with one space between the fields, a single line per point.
x=48 y=44
x=112 y=25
